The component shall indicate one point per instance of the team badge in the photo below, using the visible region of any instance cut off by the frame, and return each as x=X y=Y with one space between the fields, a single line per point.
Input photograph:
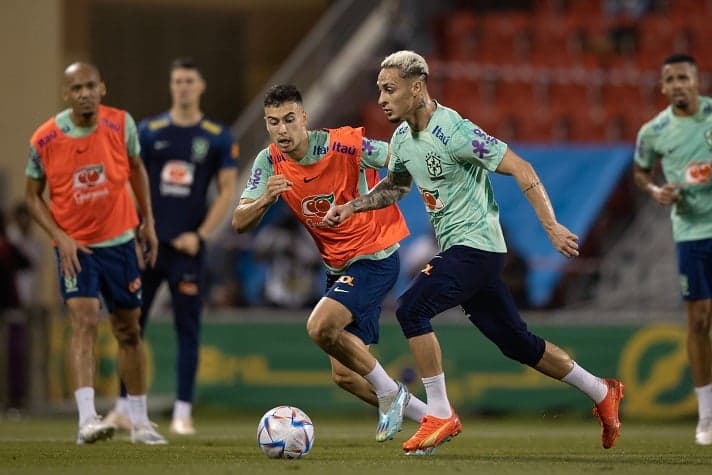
x=199 y=149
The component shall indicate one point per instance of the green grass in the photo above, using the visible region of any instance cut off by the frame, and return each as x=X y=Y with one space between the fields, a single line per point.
x=226 y=445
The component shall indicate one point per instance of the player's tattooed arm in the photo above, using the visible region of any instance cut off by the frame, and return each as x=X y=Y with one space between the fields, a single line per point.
x=386 y=192
x=389 y=190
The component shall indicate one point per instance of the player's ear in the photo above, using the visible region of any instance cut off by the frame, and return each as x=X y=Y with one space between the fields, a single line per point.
x=102 y=89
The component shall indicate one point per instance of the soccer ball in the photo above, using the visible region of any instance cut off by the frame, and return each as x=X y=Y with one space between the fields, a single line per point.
x=285 y=432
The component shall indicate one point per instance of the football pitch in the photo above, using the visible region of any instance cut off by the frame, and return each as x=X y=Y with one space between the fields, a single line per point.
x=226 y=444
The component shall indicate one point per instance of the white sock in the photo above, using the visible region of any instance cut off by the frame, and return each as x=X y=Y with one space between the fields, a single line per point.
x=85 y=403
x=416 y=409
x=182 y=410
x=436 y=394
x=592 y=386
x=381 y=382
x=704 y=401
x=122 y=405
x=138 y=410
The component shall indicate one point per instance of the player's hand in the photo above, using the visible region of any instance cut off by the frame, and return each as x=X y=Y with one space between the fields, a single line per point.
x=148 y=241
x=68 y=258
x=563 y=240
x=188 y=243
x=276 y=184
x=337 y=214
x=666 y=194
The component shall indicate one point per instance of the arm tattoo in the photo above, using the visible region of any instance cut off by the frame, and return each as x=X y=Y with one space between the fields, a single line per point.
x=385 y=193
x=532 y=186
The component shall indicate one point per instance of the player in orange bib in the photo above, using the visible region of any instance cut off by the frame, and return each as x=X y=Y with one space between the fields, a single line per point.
x=85 y=156
x=310 y=171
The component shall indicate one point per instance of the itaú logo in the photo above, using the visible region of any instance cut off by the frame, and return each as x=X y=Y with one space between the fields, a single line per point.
x=317 y=205
x=89 y=176
x=698 y=173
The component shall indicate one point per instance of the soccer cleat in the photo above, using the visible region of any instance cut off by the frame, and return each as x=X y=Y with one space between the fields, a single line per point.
x=94 y=429
x=182 y=426
x=390 y=414
x=119 y=420
x=703 y=433
x=607 y=413
x=146 y=434
x=432 y=433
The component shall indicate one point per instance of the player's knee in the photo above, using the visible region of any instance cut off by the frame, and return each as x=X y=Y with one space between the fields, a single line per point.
x=127 y=333
x=699 y=317
x=411 y=319
x=526 y=349
x=322 y=333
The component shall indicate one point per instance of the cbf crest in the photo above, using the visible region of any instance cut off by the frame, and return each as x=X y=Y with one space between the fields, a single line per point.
x=432 y=161
x=199 y=149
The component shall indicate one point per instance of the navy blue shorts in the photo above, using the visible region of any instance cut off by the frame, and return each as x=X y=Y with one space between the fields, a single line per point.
x=694 y=264
x=361 y=288
x=470 y=278
x=110 y=271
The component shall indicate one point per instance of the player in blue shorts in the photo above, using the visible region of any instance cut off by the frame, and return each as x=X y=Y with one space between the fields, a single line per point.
x=680 y=138
x=183 y=152
x=448 y=158
x=310 y=170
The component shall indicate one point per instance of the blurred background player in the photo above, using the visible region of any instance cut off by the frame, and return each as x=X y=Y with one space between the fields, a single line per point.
x=449 y=157
x=311 y=170
x=680 y=138
x=85 y=156
x=183 y=152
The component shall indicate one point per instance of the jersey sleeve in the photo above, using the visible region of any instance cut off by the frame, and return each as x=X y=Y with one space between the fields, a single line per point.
x=228 y=149
x=261 y=171
x=34 y=168
x=374 y=153
x=645 y=155
x=133 y=147
x=471 y=144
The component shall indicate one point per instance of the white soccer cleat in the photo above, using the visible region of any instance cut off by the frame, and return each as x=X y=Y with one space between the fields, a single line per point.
x=390 y=414
x=146 y=434
x=703 y=433
x=119 y=420
x=182 y=426
x=94 y=429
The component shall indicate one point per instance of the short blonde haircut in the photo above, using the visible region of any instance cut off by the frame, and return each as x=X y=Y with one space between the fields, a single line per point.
x=408 y=63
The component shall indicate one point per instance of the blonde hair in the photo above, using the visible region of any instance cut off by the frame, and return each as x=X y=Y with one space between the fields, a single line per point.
x=408 y=63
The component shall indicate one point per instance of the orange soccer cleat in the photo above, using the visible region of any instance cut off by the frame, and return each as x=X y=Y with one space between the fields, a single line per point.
x=607 y=413
x=432 y=433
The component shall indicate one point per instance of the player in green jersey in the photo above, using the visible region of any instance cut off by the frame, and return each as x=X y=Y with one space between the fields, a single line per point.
x=449 y=159
x=680 y=137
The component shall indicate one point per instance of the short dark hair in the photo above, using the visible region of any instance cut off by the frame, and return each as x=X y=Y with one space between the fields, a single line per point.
x=185 y=62
x=281 y=93
x=680 y=58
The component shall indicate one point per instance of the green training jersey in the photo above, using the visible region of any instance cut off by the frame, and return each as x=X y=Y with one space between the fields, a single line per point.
x=449 y=161
x=683 y=145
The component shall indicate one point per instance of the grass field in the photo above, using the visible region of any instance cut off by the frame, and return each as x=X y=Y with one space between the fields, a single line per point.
x=226 y=445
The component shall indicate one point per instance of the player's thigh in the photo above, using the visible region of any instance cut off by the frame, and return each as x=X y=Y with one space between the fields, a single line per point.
x=694 y=260
x=120 y=276
x=450 y=278
x=361 y=289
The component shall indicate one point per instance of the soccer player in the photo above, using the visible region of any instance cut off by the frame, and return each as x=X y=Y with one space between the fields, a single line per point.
x=311 y=170
x=449 y=158
x=86 y=155
x=183 y=152
x=680 y=138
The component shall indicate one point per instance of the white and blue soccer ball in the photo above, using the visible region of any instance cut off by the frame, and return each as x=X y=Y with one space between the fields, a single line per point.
x=285 y=432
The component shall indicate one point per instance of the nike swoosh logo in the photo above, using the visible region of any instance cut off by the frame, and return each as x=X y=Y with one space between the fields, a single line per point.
x=307 y=180
x=339 y=289
x=161 y=144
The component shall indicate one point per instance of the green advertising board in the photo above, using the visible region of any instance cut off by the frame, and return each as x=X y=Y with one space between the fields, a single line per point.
x=257 y=366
